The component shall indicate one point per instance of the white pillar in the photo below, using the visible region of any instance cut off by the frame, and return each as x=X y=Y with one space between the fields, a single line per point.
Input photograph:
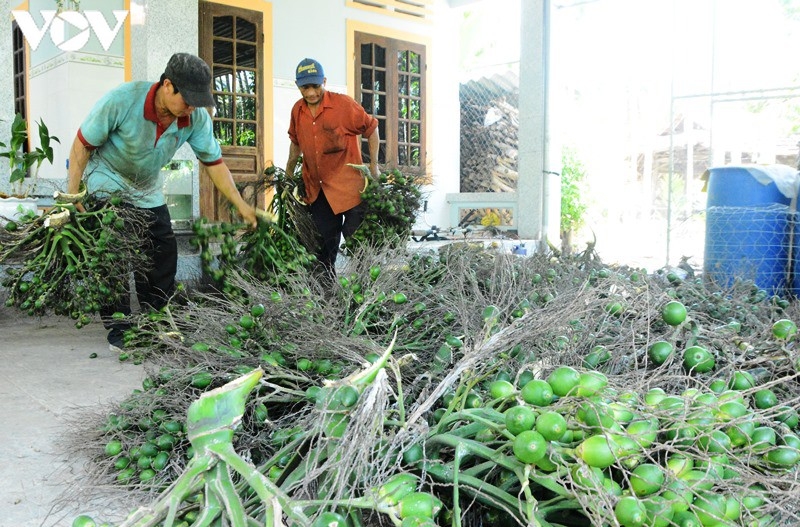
x=538 y=187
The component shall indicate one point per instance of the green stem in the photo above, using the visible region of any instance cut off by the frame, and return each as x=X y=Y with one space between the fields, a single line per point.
x=469 y=430
x=480 y=469
x=479 y=489
x=359 y=503
x=222 y=485
x=475 y=448
x=486 y=416
x=461 y=451
x=69 y=236
x=479 y=449
x=210 y=510
x=401 y=409
x=530 y=502
x=54 y=243
x=79 y=233
x=264 y=488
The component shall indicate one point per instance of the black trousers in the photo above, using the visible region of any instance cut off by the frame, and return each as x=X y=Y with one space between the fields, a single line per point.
x=154 y=286
x=332 y=227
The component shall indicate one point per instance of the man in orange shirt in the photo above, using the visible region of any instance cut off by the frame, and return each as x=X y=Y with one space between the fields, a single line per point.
x=325 y=129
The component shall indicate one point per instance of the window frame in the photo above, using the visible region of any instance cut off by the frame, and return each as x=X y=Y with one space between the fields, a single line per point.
x=390 y=122
x=207 y=40
x=20 y=66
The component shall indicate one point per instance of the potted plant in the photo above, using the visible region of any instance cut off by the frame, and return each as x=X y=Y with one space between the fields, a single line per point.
x=24 y=166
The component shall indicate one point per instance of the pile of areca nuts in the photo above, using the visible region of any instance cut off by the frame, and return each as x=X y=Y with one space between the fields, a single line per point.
x=469 y=385
x=459 y=386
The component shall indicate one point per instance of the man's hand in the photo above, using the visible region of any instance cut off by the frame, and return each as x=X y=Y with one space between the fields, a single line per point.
x=249 y=216
x=266 y=215
x=296 y=195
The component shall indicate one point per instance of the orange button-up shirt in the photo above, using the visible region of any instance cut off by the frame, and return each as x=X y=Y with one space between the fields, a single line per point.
x=328 y=142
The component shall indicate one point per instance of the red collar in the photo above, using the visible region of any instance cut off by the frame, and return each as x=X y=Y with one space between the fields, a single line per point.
x=150 y=108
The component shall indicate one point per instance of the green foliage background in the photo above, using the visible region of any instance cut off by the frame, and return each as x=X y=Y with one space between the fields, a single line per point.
x=573 y=204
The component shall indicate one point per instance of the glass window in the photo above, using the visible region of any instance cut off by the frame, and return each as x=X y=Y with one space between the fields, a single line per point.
x=223 y=26
x=366 y=79
x=18 y=51
x=366 y=54
x=380 y=57
x=394 y=94
x=245 y=30
x=246 y=108
x=224 y=106
x=246 y=134
x=223 y=51
x=224 y=132
x=245 y=55
x=246 y=82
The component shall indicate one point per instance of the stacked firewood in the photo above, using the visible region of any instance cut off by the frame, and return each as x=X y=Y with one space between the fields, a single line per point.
x=489 y=142
x=489 y=151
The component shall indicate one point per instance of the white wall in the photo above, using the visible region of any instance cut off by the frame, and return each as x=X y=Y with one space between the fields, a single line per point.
x=311 y=28
x=61 y=87
x=62 y=92
x=444 y=113
x=291 y=45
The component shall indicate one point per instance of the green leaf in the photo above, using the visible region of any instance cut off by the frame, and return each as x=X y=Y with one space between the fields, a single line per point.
x=17 y=175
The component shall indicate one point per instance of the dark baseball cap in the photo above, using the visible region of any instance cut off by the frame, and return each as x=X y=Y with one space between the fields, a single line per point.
x=309 y=71
x=192 y=76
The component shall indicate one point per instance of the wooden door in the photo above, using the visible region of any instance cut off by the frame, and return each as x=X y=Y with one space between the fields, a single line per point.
x=232 y=43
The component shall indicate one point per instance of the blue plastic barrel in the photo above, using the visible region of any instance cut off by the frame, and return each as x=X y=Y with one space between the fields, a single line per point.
x=748 y=231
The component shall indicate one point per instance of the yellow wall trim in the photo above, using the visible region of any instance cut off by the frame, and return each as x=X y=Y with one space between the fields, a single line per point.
x=126 y=47
x=406 y=9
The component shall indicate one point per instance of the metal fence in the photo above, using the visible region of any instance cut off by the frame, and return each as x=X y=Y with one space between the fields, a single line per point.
x=489 y=143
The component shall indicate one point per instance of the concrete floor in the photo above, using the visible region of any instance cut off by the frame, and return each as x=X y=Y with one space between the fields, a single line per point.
x=47 y=382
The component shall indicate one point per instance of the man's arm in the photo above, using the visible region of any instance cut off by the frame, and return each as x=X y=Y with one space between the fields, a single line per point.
x=374 y=144
x=78 y=159
x=294 y=155
x=221 y=177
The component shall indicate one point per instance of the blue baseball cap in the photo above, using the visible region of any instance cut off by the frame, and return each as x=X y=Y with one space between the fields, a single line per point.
x=309 y=71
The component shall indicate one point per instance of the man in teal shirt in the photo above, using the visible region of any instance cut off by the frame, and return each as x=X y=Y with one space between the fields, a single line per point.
x=121 y=146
